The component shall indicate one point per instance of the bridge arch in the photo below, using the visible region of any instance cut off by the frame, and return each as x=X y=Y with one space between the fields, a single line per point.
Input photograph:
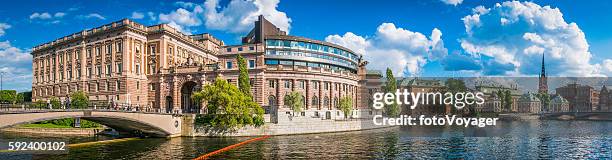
x=162 y=125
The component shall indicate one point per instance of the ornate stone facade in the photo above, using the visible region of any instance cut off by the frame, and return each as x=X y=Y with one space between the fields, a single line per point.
x=159 y=67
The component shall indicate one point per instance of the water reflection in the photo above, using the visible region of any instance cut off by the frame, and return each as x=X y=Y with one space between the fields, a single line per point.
x=526 y=140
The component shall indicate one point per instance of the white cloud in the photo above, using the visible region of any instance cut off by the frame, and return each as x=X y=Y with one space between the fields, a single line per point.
x=37 y=15
x=92 y=15
x=404 y=51
x=182 y=19
x=8 y=53
x=516 y=34
x=137 y=15
x=238 y=16
x=17 y=65
x=185 y=4
x=59 y=14
x=452 y=2
x=350 y=40
x=3 y=27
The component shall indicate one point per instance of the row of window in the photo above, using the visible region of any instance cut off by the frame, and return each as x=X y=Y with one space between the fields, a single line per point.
x=96 y=87
x=312 y=55
x=314 y=101
x=315 y=85
x=90 y=73
x=230 y=64
x=240 y=49
x=271 y=43
x=309 y=64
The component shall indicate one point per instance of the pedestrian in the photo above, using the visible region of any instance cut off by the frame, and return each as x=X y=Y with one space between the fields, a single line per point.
x=49 y=104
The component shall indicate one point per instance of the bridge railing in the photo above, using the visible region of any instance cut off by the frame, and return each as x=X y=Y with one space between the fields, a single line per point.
x=29 y=107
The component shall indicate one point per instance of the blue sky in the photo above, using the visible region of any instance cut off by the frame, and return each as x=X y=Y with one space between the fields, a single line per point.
x=414 y=38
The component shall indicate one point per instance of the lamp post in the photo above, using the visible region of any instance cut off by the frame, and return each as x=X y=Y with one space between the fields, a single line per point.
x=1 y=80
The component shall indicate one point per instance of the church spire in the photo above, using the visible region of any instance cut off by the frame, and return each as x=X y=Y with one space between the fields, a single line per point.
x=543 y=82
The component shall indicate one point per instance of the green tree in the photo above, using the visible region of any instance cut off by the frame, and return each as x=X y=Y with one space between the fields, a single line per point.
x=544 y=100
x=346 y=106
x=392 y=110
x=295 y=101
x=502 y=98
x=8 y=96
x=39 y=103
x=55 y=102
x=79 y=99
x=19 y=98
x=455 y=85
x=244 y=83
x=508 y=99
x=227 y=106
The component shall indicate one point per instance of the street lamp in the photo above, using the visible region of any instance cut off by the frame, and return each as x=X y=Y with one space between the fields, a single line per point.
x=1 y=80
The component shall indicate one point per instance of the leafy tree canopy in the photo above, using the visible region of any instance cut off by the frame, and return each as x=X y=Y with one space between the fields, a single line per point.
x=227 y=106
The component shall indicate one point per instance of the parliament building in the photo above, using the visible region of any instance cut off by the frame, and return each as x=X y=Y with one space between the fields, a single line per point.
x=158 y=67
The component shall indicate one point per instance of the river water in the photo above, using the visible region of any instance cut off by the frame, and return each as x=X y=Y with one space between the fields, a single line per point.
x=528 y=140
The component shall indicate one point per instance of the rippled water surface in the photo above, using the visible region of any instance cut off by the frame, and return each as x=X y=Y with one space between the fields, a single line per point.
x=527 y=140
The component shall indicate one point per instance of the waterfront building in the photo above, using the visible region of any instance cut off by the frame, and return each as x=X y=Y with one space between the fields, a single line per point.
x=582 y=98
x=493 y=101
x=559 y=104
x=113 y=62
x=419 y=85
x=159 y=67
x=529 y=103
x=374 y=83
x=605 y=99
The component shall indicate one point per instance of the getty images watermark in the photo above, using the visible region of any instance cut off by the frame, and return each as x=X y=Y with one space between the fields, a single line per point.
x=403 y=97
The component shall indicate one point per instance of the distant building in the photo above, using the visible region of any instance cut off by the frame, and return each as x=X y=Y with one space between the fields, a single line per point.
x=582 y=98
x=374 y=82
x=605 y=100
x=559 y=104
x=529 y=103
x=493 y=101
x=543 y=81
x=418 y=85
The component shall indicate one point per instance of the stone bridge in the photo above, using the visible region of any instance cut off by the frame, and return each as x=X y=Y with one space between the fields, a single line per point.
x=578 y=115
x=155 y=124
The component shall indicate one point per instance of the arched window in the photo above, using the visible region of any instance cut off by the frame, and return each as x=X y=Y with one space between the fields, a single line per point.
x=336 y=102
x=315 y=101
x=271 y=100
x=326 y=101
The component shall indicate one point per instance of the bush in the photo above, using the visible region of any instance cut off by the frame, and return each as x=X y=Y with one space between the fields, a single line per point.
x=79 y=100
x=55 y=102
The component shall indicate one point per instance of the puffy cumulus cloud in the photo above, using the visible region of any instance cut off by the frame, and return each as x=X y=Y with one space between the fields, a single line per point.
x=452 y=2
x=402 y=50
x=350 y=40
x=182 y=19
x=516 y=34
x=10 y=54
x=238 y=16
x=137 y=15
x=17 y=66
x=3 y=27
